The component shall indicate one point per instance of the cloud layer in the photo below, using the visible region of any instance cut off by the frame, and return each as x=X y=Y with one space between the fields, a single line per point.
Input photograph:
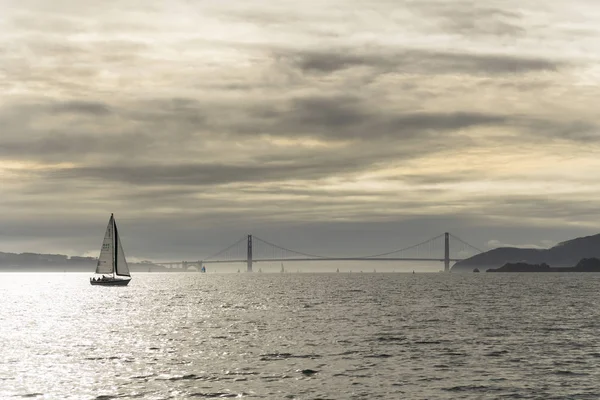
x=198 y=123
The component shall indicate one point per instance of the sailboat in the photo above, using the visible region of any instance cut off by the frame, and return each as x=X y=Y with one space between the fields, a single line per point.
x=112 y=259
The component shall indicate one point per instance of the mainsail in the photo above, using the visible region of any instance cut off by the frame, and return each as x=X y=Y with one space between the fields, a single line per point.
x=106 y=258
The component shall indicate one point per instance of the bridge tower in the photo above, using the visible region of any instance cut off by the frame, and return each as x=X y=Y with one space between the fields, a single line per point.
x=249 y=254
x=446 y=252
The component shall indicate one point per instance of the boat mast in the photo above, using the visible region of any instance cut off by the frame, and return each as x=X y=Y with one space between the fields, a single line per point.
x=115 y=244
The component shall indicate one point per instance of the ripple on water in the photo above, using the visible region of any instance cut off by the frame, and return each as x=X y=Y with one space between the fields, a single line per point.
x=222 y=395
x=285 y=356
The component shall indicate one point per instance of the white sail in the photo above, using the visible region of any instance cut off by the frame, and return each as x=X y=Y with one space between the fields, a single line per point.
x=112 y=259
x=106 y=258
x=122 y=267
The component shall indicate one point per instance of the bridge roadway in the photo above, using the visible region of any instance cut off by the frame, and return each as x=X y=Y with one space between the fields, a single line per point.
x=307 y=259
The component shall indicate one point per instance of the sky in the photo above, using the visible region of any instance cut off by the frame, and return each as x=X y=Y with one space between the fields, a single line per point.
x=331 y=127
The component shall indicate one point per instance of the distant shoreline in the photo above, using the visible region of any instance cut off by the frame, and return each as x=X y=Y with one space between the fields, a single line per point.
x=83 y=268
x=585 y=265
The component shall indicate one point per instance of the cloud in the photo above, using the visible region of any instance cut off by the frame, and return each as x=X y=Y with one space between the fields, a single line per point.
x=211 y=120
x=471 y=19
x=77 y=129
x=417 y=61
x=83 y=107
x=349 y=117
x=196 y=174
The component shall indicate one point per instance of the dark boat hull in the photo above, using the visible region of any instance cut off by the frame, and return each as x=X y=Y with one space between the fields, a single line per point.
x=111 y=282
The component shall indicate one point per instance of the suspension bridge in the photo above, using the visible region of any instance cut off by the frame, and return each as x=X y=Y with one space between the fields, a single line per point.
x=251 y=249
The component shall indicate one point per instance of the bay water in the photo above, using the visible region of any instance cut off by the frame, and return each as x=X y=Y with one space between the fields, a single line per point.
x=301 y=336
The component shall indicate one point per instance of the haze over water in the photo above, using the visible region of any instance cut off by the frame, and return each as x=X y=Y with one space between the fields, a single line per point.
x=304 y=336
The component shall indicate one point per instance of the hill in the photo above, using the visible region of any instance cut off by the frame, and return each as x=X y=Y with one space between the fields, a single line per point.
x=562 y=255
x=585 y=265
x=26 y=262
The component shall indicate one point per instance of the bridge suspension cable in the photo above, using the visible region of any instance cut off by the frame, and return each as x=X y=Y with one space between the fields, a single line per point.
x=224 y=251
x=428 y=241
x=285 y=250
x=465 y=243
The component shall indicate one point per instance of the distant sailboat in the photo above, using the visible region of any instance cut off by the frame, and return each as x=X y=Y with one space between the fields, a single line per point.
x=112 y=259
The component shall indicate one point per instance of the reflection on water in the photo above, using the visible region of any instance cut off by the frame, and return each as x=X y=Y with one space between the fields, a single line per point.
x=336 y=336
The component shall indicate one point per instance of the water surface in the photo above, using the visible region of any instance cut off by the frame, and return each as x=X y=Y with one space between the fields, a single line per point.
x=301 y=336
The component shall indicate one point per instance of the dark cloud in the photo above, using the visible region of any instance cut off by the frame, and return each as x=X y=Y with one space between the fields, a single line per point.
x=540 y=206
x=326 y=111
x=56 y=146
x=414 y=61
x=433 y=179
x=586 y=132
x=74 y=129
x=342 y=117
x=180 y=126
x=82 y=107
x=429 y=121
x=206 y=174
x=139 y=145
x=471 y=19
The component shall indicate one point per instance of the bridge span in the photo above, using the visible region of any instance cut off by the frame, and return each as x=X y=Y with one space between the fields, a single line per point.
x=249 y=255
